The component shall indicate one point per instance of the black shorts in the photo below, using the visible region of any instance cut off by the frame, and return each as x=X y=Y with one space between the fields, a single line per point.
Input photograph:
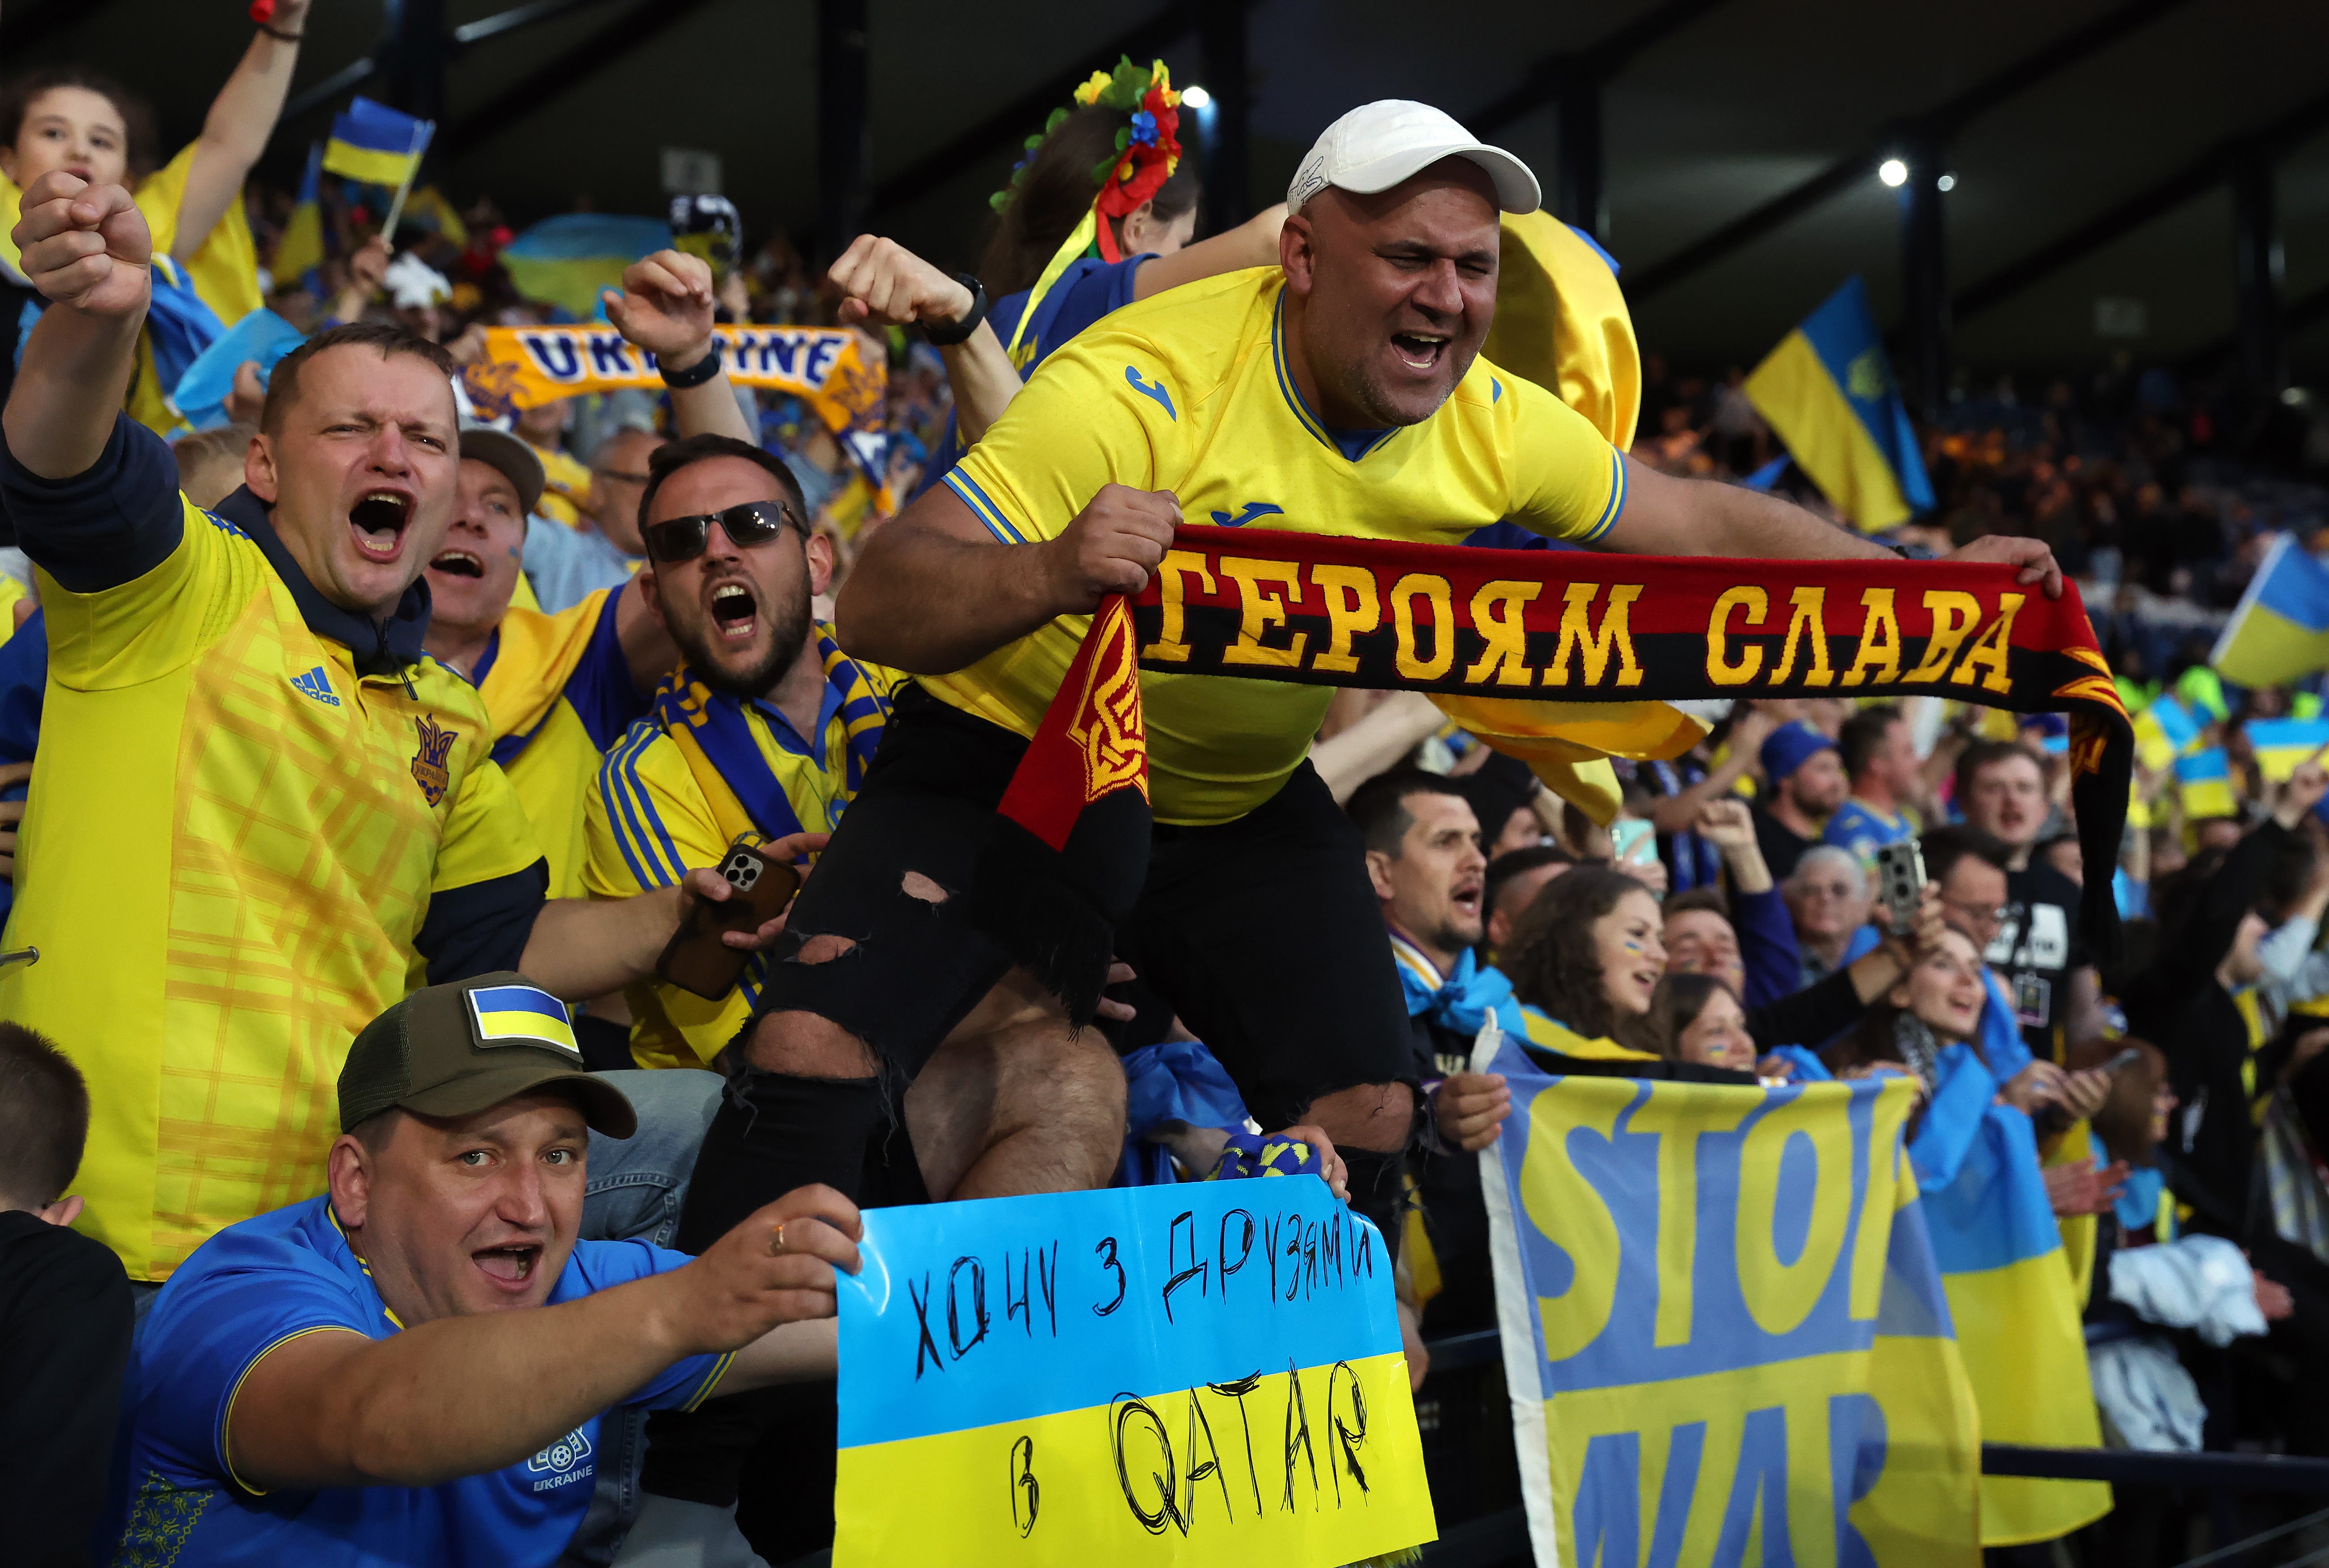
x=1263 y=934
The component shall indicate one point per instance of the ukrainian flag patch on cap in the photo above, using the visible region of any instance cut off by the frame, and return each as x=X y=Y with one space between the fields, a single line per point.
x=522 y=1016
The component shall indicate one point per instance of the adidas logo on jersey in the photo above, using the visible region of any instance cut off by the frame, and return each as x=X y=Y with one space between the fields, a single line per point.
x=317 y=684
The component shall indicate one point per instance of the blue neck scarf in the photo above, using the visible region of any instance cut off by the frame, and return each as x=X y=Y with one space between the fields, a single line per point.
x=1464 y=1001
x=722 y=726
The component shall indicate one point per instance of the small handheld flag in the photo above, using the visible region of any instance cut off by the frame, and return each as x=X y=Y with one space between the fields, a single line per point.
x=1828 y=390
x=379 y=145
x=2280 y=629
x=2164 y=731
x=2284 y=745
x=300 y=251
x=2204 y=780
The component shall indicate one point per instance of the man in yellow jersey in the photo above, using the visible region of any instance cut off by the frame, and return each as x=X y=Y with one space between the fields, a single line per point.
x=260 y=813
x=559 y=689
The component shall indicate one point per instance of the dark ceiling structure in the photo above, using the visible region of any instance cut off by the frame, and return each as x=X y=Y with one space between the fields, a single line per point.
x=2076 y=179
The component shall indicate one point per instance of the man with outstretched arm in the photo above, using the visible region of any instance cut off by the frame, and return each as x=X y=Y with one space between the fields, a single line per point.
x=414 y=1366
x=241 y=712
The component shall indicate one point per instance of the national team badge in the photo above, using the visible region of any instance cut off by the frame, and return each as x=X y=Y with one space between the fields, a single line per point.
x=429 y=766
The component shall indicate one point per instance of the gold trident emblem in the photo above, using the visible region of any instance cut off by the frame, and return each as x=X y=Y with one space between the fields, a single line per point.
x=1107 y=731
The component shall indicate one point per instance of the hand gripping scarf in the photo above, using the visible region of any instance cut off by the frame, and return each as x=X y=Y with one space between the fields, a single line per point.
x=1533 y=651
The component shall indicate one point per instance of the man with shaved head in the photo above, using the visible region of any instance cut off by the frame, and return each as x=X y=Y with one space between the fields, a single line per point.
x=1342 y=392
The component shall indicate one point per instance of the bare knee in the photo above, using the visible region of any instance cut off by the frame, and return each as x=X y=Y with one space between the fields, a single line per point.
x=1371 y=1116
x=808 y=1046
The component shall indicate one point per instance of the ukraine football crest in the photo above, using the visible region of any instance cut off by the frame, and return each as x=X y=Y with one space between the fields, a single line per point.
x=429 y=767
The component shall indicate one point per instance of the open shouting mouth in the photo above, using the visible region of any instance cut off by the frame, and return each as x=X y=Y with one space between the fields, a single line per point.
x=377 y=523
x=510 y=1268
x=458 y=562
x=735 y=612
x=1421 y=351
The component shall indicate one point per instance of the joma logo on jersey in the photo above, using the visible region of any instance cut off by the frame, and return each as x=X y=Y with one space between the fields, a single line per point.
x=1251 y=511
x=428 y=769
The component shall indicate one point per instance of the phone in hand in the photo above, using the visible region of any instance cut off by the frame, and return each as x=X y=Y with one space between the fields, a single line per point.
x=1901 y=884
x=696 y=959
x=2124 y=1059
x=1632 y=839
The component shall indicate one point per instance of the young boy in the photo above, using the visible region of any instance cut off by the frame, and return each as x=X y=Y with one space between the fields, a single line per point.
x=65 y=1314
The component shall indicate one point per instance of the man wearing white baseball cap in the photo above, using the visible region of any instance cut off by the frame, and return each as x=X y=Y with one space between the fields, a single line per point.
x=1339 y=392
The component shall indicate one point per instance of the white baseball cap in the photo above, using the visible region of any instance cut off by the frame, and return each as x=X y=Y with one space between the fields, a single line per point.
x=1377 y=145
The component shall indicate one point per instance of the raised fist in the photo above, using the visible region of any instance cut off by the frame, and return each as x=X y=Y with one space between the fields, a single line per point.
x=85 y=247
x=666 y=308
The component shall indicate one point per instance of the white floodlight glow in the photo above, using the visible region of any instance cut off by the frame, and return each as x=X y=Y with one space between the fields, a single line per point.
x=1196 y=97
x=1945 y=183
x=1892 y=172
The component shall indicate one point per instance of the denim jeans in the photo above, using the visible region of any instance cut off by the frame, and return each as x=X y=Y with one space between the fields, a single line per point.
x=636 y=1186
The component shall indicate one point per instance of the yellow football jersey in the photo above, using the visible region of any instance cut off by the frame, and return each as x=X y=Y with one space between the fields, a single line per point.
x=661 y=809
x=559 y=691
x=566 y=487
x=224 y=272
x=231 y=844
x=1190 y=392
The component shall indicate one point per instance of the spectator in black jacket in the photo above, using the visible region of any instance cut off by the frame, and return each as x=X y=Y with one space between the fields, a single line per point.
x=2187 y=1001
x=64 y=1315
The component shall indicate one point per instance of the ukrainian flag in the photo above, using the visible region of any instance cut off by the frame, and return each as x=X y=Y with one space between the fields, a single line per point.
x=300 y=251
x=2164 y=731
x=2009 y=1295
x=377 y=145
x=2281 y=628
x=567 y=259
x=506 y=1015
x=2281 y=744
x=2204 y=780
x=1145 y=1375
x=1828 y=390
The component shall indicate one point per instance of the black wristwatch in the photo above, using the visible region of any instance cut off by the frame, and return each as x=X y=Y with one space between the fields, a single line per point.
x=947 y=335
x=695 y=375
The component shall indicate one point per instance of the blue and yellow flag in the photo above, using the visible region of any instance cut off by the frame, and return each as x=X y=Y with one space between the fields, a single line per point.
x=300 y=251
x=1724 y=1333
x=2204 y=781
x=2282 y=744
x=2163 y=731
x=2280 y=629
x=2012 y=1296
x=512 y=1015
x=377 y=145
x=567 y=259
x=1201 y=1373
x=1828 y=391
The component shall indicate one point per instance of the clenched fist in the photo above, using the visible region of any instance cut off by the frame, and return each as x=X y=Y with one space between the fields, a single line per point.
x=883 y=284
x=85 y=247
x=1111 y=547
x=666 y=308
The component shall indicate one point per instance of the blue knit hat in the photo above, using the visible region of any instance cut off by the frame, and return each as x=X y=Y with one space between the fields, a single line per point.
x=1789 y=747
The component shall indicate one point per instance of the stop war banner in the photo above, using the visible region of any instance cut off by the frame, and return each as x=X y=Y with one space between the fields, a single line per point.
x=1725 y=1337
x=1205 y=1372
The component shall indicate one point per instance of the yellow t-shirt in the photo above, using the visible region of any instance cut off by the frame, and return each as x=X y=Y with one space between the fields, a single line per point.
x=661 y=809
x=560 y=691
x=224 y=272
x=232 y=842
x=566 y=486
x=1189 y=392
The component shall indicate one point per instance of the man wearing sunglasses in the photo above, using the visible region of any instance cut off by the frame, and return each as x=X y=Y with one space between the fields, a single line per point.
x=292 y=813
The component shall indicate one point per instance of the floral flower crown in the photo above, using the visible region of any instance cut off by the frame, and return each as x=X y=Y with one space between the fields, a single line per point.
x=1147 y=151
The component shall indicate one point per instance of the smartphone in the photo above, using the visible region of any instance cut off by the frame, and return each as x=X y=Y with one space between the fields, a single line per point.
x=1901 y=884
x=2124 y=1059
x=1628 y=835
x=696 y=959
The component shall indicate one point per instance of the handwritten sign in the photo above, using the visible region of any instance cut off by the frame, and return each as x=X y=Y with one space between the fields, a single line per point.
x=1723 y=1328
x=1173 y=1374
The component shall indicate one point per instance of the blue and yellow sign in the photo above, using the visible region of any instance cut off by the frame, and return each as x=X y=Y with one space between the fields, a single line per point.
x=1181 y=1374
x=1724 y=1333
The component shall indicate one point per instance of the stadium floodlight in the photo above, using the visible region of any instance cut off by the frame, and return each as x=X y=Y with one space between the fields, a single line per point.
x=1196 y=97
x=1892 y=172
x=1946 y=183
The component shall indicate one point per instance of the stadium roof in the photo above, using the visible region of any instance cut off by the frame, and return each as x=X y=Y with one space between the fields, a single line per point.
x=2091 y=167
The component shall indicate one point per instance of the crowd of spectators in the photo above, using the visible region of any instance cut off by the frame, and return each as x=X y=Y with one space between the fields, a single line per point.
x=1726 y=928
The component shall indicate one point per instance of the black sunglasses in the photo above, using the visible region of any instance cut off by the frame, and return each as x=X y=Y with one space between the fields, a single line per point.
x=679 y=539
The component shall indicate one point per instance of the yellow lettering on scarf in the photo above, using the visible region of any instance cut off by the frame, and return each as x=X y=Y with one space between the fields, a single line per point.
x=1176 y=565
x=1263 y=609
x=1779 y=1295
x=1351 y=610
x=1403 y=595
x=1678 y=1119
x=1888 y=1173
x=1564 y=1203
x=1719 y=668
x=1991 y=648
x=1593 y=646
x=1810 y=616
x=1497 y=615
x=1880 y=655
x=1954 y=615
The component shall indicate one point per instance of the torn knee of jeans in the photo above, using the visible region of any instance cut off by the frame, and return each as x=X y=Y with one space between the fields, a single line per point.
x=914 y=884
x=823 y=948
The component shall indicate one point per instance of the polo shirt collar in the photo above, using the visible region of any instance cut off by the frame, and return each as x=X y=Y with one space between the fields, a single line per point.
x=381 y=647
